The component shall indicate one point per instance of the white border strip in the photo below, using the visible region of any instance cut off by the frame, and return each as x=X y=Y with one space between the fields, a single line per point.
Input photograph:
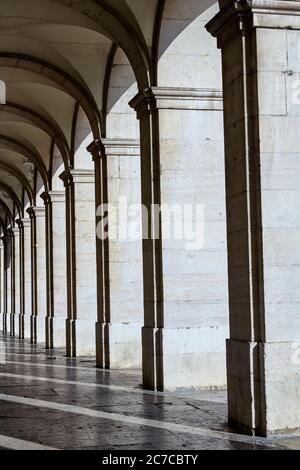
x=133 y=420
x=12 y=443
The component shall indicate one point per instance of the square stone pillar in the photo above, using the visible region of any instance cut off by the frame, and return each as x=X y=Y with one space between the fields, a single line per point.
x=8 y=263
x=27 y=278
x=5 y=243
x=120 y=321
x=39 y=278
x=17 y=282
x=81 y=262
x=261 y=56
x=21 y=281
x=185 y=277
x=58 y=327
x=49 y=269
x=2 y=292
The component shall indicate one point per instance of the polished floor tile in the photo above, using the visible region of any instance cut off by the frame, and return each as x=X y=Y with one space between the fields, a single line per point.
x=50 y=401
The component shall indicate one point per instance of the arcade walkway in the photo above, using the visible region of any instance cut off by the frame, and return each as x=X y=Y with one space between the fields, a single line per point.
x=49 y=401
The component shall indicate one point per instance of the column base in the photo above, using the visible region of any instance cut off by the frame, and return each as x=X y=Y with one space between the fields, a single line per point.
x=21 y=324
x=12 y=324
x=33 y=329
x=41 y=330
x=184 y=358
x=5 y=323
x=37 y=333
x=263 y=387
x=27 y=326
x=49 y=332
x=80 y=338
x=118 y=346
x=59 y=332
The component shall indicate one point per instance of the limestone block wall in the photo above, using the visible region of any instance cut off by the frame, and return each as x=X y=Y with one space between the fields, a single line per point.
x=125 y=254
x=41 y=274
x=59 y=268
x=195 y=278
x=27 y=277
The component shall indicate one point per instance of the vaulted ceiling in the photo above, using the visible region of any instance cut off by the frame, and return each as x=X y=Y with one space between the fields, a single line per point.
x=54 y=59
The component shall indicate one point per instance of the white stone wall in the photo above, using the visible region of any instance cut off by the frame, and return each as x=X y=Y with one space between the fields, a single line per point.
x=59 y=268
x=41 y=274
x=27 y=277
x=86 y=287
x=125 y=258
x=17 y=281
x=195 y=280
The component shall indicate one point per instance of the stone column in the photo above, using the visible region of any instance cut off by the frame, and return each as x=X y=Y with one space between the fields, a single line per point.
x=58 y=199
x=27 y=277
x=2 y=292
x=71 y=260
x=39 y=296
x=184 y=246
x=17 y=283
x=41 y=263
x=21 y=279
x=6 y=282
x=260 y=49
x=33 y=262
x=81 y=262
x=102 y=255
x=119 y=259
x=49 y=269
x=12 y=287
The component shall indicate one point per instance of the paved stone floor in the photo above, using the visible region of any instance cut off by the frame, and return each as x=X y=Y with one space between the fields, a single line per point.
x=49 y=401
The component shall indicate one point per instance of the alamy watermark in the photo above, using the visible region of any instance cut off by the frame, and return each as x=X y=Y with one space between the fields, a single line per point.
x=296 y=353
x=133 y=222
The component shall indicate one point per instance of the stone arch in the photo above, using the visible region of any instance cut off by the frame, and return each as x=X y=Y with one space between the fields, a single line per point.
x=61 y=79
x=14 y=171
x=43 y=123
x=13 y=196
x=8 y=143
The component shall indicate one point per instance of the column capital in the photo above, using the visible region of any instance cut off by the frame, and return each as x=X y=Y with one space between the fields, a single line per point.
x=143 y=102
x=26 y=223
x=178 y=98
x=96 y=149
x=121 y=147
x=46 y=197
x=57 y=196
x=67 y=178
x=19 y=223
x=31 y=212
x=6 y=238
x=241 y=15
x=78 y=176
x=36 y=212
x=83 y=176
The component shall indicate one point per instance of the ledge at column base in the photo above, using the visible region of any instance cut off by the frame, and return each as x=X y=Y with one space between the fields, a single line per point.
x=57 y=329
x=184 y=358
x=21 y=323
x=279 y=433
x=27 y=326
x=119 y=346
x=40 y=328
x=5 y=323
x=263 y=387
x=81 y=338
x=12 y=324
x=49 y=332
